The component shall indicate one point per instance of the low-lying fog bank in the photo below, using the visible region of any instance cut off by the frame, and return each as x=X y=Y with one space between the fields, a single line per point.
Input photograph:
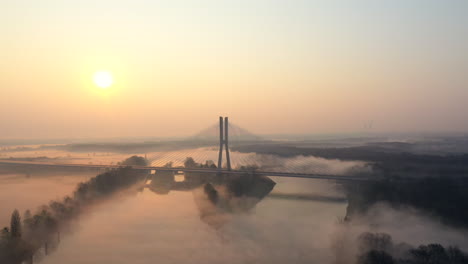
x=292 y=226
x=148 y=228
x=28 y=191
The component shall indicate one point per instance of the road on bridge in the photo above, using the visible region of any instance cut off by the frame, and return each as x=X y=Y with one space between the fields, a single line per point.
x=202 y=170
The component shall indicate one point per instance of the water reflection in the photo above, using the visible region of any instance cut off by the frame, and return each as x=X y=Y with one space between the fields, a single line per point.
x=144 y=227
x=22 y=191
x=216 y=196
x=209 y=216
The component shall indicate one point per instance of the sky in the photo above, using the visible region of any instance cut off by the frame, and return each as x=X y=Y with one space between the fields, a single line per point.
x=272 y=66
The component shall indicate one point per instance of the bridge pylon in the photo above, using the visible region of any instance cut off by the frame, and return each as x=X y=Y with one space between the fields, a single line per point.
x=224 y=142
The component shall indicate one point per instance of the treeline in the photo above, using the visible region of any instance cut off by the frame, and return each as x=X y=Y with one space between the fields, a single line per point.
x=396 y=162
x=24 y=237
x=378 y=248
x=135 y=161
x=191 y=163
x=371 y=152
x=436 y=184
x=443 y=198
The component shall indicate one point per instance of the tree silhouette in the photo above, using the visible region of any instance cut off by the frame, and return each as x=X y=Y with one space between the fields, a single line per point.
x=135 y=161
x=4 y=234
x=19 y=242
x=168 y=165
x=190 y=163
x=376 y=257
x=432 y=253
x=15 y=225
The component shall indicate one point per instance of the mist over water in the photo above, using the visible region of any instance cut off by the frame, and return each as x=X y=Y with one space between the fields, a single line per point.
x=411 y=226
x=112 y=149
x=145 y=227
x=298 y=164
x=23 y=191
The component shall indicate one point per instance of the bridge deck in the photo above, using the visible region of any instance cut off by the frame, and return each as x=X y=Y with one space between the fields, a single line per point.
x=201 y=170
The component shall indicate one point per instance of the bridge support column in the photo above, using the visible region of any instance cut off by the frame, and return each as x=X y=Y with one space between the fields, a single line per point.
x=223 y=142
x=226 y=143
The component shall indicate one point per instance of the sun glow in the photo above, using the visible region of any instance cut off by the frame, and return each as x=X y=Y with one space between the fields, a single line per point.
x=103 y=79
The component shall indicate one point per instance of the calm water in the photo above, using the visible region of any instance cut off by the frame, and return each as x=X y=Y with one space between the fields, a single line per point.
x=146 y=227
x=141 y=226
x=18 y=191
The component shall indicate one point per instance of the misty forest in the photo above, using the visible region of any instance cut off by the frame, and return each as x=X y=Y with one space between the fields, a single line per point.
x=409 y=206
x=234 y=131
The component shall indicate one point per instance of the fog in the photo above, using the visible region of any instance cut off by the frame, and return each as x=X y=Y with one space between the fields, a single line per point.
x=140 y=226
x=298 y=164
x=411 y=226
x=18 y=191
x=146 y=228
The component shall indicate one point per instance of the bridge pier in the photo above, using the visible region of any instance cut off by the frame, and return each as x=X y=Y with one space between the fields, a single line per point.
x=223 y=142
x=226 y=143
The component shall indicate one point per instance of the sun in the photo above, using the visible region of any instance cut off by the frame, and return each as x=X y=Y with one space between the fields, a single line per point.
x=103 y=79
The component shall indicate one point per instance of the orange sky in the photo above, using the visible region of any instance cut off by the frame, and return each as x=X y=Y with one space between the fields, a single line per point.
x=272 y=66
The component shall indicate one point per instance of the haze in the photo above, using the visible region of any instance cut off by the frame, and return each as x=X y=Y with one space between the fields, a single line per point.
x=273 y=66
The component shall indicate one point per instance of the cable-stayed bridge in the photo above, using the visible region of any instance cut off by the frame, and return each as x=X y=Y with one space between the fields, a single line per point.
x=209 y=151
